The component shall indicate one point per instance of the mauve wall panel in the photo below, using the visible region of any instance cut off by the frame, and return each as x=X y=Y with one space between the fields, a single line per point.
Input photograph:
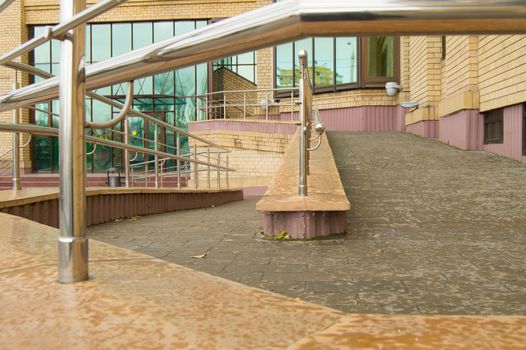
x=365 y=118
x=512 y=146
x=463 y=129
x=425 y=128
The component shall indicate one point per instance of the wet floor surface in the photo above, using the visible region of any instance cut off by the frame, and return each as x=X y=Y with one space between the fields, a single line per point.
x=432 y=230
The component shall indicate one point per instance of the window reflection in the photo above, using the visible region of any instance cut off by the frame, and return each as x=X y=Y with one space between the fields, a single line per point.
x=153 y=95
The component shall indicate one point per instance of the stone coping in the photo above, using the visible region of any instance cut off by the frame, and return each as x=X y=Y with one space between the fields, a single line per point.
x=228 y=120
x=135 y=301
x=9 y=198
x=325 y=189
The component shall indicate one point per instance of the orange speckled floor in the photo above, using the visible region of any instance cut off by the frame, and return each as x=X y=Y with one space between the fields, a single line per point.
x=133 y=301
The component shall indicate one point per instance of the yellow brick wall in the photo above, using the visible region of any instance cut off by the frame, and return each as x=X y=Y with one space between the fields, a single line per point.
x=502 y=70
x=46 y=11
x=255 y=156
x=460 y=75
x=14 y=31
x=226 y=80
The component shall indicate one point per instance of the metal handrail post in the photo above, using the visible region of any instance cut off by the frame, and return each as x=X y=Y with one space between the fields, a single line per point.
x=178 y=162
x=302 y=187
x=126 y=153
x=16 y=151
x=227 y=172
x=156 y=157
x=72 y=242
x=208 y=166
x=218 y=169
x=244 y=105
x=224 y=106
x=266 y=107
x=291 y=105
x=196 y=173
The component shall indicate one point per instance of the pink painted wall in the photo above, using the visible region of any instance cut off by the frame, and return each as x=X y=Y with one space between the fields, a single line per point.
x=425 y=128
x=463 y=129
x=512 y=146
x=365 y=118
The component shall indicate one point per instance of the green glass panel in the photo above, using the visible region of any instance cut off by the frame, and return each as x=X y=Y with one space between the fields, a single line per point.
x=42 y=153
x=164 y=104
x=136 y=127
x=324 y=62
x=55 y=108
x=121 y=38
x=55 y=148
x=162 y=31
x=182 y=27
x=163 y=84
x=284 y=72
x=41 y=53
x=88 y=44
x=101 y=112
x=380 y=56
x=55 y=51
x=101 y=42
x=142 y=35
x=143 y=86
x=247 y=72
x=346 y=60
x=41 y=118
x=200 y=24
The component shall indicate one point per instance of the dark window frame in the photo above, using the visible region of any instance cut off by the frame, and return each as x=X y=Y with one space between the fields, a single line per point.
x=491 y=121
x=363 y=65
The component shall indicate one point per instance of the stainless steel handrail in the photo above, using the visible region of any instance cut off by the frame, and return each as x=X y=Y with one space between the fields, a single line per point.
x=306 y=92
x=286 y=21
x=48 y=131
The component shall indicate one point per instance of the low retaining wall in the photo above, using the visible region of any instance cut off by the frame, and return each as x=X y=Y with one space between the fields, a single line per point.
x=104 y=205
x=322 y=212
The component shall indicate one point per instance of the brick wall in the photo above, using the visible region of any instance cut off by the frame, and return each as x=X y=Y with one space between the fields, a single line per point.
x=226 y=80
x=425 y=74
x=502 y=70
x=14 y=32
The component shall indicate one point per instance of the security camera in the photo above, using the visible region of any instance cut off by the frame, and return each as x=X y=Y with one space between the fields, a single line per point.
x=392 y=88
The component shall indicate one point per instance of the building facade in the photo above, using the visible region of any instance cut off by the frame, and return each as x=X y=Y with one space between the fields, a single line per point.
x=470 y=90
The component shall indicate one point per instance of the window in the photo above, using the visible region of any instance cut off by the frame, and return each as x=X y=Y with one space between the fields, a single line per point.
x=157 y=93
x=243 y=65
x=335 y=63
x=494 y=127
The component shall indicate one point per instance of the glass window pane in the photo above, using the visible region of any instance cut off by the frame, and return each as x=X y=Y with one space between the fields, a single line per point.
x=164 y=84
x=246 y=72
x=88 y=44
x=41 y=54
x=143 y=86
x=101 y=48
x=121 y=38
x=380 y=56
x=182 y=27
x=284 y=76
x=55 y=51
x=142 y=35
x=246 y=58
x=324 y=61
x=346 y=62
x=162 y=31
x=200 y=24
x=42 y=153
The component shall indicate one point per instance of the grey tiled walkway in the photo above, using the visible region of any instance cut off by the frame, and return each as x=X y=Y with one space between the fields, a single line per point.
x=432 y=230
